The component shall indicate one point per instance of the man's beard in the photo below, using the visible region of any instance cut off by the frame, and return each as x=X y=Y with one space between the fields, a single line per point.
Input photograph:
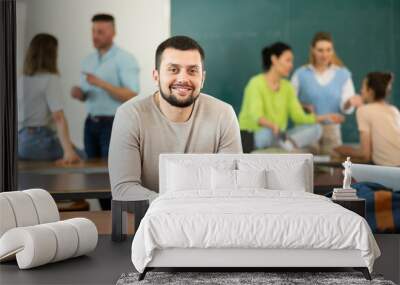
x=102 y=45
x=173 y=100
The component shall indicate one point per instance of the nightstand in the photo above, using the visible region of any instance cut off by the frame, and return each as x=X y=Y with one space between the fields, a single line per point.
x=356 y=205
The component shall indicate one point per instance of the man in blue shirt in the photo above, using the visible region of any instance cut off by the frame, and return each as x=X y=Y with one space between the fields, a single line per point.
x=110 y=76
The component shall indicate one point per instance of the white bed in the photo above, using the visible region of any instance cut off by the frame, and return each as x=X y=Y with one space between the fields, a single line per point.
x=219 y=210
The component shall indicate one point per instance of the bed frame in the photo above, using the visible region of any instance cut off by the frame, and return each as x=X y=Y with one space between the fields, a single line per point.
x=249 y=259
x=245 y=259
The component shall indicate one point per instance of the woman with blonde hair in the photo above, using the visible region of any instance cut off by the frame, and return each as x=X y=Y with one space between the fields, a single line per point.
x=269 y=103
x=325 y=86
x=40 y=106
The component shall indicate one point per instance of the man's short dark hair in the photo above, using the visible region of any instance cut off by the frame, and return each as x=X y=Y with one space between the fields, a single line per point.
x=103 y=18
x=179 y=43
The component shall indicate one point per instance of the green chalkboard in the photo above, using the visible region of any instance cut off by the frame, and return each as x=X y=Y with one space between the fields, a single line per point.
x=233 y=32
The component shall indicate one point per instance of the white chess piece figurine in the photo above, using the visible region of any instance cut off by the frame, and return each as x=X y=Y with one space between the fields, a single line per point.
x=347 y=174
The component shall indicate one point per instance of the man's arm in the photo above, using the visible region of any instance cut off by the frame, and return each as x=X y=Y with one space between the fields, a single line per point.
x=128 y=74
x=124 y=162
x=119 y=93
x=81 y=92
x=77 y=93
x=230 y=141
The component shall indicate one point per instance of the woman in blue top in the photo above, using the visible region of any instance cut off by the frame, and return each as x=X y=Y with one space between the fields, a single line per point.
x=325 y=86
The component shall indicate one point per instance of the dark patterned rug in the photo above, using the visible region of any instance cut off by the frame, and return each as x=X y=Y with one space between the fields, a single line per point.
x=229 y=278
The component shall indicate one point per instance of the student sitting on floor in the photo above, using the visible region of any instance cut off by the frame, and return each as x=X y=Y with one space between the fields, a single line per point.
x=270 y=100
x=378 y=123
x=40 y=106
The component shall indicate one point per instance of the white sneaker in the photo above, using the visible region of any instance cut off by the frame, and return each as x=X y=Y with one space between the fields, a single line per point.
x=286 y=145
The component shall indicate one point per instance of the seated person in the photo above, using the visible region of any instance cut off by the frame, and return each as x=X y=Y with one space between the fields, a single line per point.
x=40 y=106
x=378 y=123
x=175 y=119
x=270 y=100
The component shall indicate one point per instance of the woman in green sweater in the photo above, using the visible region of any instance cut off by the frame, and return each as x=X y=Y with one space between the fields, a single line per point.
x=270 y=100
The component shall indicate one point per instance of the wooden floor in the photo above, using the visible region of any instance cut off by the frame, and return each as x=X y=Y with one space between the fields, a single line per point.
x=109 y=260
x=102 y=266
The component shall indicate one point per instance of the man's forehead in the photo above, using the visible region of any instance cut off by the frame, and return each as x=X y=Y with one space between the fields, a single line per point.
x=185 y=58
x=103 y=24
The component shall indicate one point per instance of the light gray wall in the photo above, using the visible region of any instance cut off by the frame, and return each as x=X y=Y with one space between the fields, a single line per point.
x=141 y=25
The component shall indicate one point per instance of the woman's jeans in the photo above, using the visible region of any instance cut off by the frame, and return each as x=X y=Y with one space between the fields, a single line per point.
x=41 y=143
x=302 y=136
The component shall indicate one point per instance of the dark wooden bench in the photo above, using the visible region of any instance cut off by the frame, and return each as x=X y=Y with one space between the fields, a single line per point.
x=68 y=186
x=51 y=167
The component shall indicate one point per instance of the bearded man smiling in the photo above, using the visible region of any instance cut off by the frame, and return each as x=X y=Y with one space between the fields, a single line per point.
x=177 y=118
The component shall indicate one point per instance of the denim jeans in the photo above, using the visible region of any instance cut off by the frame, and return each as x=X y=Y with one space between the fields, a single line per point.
x=97 y=141
x=41 y=143
x=302 y=136
x=97 y=136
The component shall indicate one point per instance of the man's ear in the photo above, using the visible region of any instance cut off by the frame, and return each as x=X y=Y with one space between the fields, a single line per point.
x=114 y=31
x=156 y=76
x=203 y=79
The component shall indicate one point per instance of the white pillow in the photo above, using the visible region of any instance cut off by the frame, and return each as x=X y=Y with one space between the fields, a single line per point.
x=293 y=180
x=183 y=178
x=282 y=174
x=193 y=174
x=226 y=179
x=223 y=179
x=251 y=178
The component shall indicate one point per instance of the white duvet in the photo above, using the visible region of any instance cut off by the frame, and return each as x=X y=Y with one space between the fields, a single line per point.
x=253 y=218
